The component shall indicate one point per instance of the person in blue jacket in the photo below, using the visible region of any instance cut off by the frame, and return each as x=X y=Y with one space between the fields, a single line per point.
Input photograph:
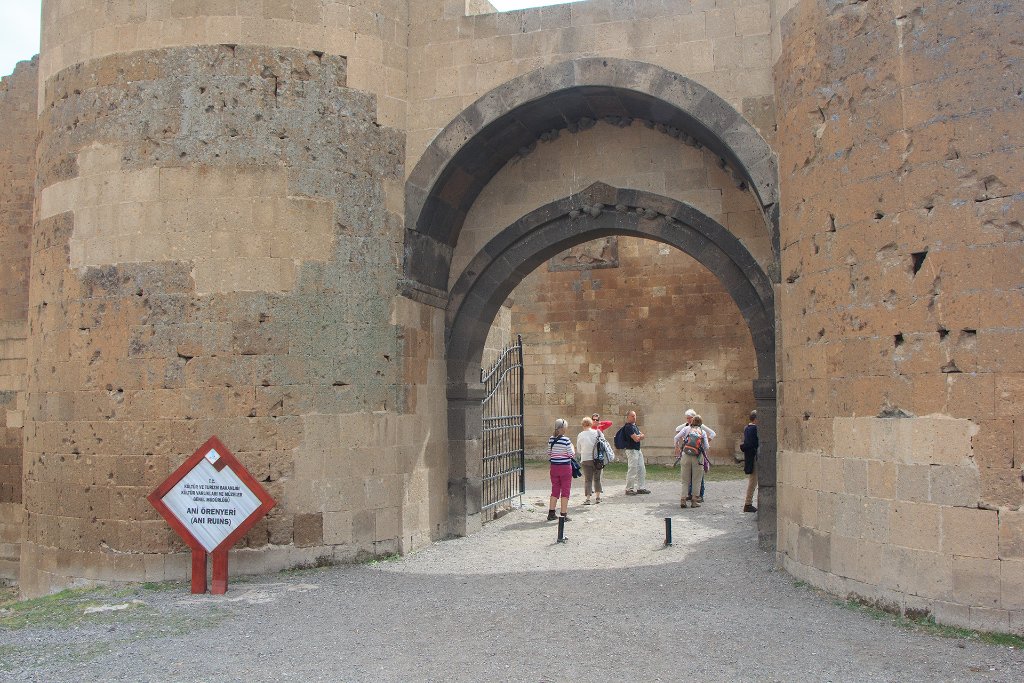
x=749 y=448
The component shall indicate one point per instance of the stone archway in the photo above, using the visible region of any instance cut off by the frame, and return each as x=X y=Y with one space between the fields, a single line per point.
x=515 y=252
x=573 y=95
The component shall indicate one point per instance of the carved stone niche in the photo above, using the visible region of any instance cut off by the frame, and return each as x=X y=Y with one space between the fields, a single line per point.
x=600 y=253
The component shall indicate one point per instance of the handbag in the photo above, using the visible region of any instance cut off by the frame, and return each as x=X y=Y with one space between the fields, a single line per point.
x=577 y=472
x=603 y=453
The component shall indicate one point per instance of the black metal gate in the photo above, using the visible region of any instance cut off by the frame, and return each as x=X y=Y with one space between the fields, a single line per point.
x=504 y=474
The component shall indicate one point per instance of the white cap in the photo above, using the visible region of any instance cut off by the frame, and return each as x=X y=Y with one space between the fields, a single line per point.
x=691 y=413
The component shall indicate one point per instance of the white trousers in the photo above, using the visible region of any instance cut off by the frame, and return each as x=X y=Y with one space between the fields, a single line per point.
x=636 y=472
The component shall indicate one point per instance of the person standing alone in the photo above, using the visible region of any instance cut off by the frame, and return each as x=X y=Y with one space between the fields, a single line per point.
x=749 y=448
x=636 y=472
x=560 y=455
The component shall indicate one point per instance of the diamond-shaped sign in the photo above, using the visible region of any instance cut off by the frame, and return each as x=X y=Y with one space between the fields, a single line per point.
x=211 y=501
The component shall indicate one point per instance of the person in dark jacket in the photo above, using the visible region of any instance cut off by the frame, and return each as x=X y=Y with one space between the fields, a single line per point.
x=749 y=448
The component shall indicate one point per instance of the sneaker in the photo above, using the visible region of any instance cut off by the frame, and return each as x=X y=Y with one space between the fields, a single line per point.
x=597 y=502
x=566 y=518
x=586 y=502
x=642 y=491
x=694 y=504
x=749 y=508
x=682 y=502
x=551 y=515
x=630 y=493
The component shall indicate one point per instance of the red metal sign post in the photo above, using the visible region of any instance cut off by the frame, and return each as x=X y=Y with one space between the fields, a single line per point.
x=211 y=501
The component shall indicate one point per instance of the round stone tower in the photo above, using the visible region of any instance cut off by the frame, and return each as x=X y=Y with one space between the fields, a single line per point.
x=900 y=442
x=216 y=251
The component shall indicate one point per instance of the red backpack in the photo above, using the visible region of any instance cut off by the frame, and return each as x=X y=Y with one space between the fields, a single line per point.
x=693 y=443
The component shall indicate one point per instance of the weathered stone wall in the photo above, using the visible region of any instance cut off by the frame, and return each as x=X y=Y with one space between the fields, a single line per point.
x=214 y=254
x=454 y=59
x=371 y=34
x=625 y=324
x=17 y=181
x=901 y=462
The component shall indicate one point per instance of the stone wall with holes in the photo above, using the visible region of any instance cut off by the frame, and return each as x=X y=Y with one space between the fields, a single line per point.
x=623 y=324
x=370 y=34
x=17 y=179
x=901 y=441
x=214 y=253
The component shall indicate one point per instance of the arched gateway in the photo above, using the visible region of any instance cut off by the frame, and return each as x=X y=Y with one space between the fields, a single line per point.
x=467 y=154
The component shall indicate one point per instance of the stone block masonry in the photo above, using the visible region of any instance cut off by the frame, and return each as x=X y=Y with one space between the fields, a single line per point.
x=17 y=183
x=213 y=255
x=232 y=199
x=901 y=326
x=657 y=334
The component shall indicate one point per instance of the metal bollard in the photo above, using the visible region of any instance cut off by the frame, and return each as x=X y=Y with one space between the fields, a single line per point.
x=561 y=530
x=668 y=531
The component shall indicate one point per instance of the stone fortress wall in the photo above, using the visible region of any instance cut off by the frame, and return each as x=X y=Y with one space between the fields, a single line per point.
x=17 y=179
x=900 y=443
x=220 y=228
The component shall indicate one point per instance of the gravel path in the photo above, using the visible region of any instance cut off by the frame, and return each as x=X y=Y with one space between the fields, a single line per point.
x=613 y=603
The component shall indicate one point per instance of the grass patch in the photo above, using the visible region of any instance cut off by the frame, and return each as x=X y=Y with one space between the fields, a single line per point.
x=378 y=559
x=318 y=563
x=925 y=623
x=162 y=586
x=65 y=609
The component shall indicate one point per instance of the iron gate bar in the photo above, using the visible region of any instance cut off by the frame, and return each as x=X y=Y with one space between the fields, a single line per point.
x=503 y=435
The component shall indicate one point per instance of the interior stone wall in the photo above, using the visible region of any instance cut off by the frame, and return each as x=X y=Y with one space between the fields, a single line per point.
x=17 y=181
x=624 y=324
x=635 y=157
x=901 y=469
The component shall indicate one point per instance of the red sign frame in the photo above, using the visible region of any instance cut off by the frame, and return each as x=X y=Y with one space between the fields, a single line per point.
x=220 y=553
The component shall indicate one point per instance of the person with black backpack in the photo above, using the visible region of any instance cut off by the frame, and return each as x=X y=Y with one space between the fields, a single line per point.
x=628 y=439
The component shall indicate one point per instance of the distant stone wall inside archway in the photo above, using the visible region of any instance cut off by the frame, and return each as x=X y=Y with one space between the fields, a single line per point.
x=624 y=323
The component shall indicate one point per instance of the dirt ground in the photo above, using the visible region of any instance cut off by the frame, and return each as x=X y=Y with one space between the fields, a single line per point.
x=508 y=604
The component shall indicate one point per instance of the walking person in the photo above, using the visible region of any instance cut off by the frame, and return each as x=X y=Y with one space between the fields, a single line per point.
x=749 y=448
x=691 y=443
x=560 y=453
x=586 y=444
x=628 y=438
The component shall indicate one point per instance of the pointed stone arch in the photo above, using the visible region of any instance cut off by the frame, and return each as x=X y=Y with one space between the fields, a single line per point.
x=572 y=95
x=519 y=249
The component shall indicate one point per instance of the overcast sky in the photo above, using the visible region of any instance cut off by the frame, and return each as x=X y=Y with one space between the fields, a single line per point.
x=19 y=27
x=19 y=32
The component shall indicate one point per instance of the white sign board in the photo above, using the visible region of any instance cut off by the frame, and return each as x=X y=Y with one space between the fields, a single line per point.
x=210 y=503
